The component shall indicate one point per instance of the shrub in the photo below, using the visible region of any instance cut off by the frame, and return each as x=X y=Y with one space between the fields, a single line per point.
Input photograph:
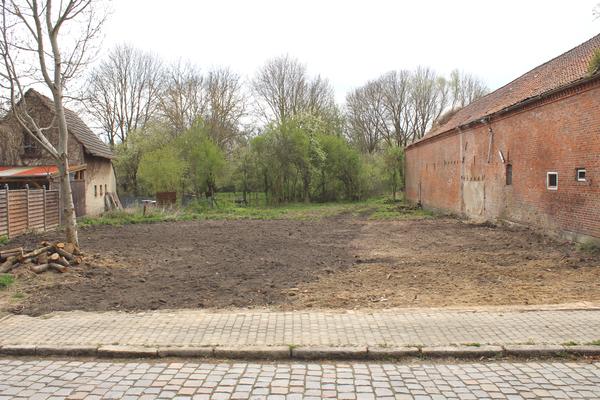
x=3 y=240
x=594 y=64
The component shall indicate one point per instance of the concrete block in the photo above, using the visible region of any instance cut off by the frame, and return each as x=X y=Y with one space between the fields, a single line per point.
x=330 y=353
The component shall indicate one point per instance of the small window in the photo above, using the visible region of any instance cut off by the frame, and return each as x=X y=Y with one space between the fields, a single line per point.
x=509 y=174
x=100 y=190
x=105 y=190
x=552 y=181
x=29 y=145
x=95 y=191
x=581 y=174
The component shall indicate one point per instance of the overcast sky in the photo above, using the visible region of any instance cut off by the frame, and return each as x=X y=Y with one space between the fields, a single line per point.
x=350 y=42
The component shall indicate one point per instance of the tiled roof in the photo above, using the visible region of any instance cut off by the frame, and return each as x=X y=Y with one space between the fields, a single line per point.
x=563 y=70
x=92 y=143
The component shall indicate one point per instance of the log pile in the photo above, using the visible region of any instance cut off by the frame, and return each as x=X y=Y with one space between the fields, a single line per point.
x=57 y=257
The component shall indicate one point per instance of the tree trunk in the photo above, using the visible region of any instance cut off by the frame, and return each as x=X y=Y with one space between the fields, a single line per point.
x=67 y=202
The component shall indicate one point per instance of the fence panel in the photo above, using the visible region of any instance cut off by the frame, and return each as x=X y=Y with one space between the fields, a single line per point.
x=3 y=213
x=25 y=210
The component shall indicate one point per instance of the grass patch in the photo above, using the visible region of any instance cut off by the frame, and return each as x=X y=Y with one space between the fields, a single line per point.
x=226 y=209
x=595 y=342
x=589 y=247
x=475 y=344
x=3 y=240
x=18 y=296
x=6 y=280
x=570 y=343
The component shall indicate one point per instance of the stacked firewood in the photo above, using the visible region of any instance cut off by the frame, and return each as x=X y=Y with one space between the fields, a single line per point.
x=57 y=257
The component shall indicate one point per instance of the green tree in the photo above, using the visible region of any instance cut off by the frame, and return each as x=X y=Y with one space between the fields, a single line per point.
x=161 y=170
x=394 y=168
x=204 y=161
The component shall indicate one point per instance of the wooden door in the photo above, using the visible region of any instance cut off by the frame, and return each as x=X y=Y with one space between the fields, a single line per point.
x=78 y=188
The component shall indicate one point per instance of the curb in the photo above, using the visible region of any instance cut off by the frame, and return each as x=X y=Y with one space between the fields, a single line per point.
x=300 y=353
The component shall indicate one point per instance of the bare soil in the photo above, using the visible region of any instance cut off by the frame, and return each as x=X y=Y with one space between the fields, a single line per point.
x=338 y=262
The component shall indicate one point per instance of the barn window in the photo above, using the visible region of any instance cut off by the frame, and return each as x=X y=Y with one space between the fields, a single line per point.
x=100 y=190
x=29 y=145
x=95 y=191
x=509 y=174
x=581 y=174
x=105 y=190
x=552 y=180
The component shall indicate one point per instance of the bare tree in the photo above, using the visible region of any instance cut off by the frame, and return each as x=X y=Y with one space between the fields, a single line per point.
x=465 y=89
x=395 y=87
x=364 y=116
x=429 y=98
x=123 y=92
x=184 y=98
x=283 y=89
x=226 y=107
x=33 y=51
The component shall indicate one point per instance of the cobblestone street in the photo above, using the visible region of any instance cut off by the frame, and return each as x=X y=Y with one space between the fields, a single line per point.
x=52 y=379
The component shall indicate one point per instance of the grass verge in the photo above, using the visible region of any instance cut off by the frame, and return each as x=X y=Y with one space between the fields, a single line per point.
x=375 y=209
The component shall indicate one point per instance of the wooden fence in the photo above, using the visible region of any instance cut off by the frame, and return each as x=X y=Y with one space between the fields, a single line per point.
x=26 y=210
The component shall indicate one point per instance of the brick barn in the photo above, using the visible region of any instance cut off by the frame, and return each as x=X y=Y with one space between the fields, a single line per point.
x=527 y=153
x=24 y=163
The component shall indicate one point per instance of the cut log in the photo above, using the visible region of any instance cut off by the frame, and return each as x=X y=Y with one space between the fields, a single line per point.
x=42 y=258
x=58 y=267
x=18 y=251
x=38 y=269
x=65 y=254
x=63 y=261
x=53 y=257
x=60 y=245
x=37 y=252
x=10 y=263
x=45 y=243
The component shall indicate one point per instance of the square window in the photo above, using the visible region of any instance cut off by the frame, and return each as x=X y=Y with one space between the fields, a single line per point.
x=581 y=174
x=552 y=180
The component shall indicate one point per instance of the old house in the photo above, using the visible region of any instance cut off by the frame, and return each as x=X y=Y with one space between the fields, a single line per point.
x=527 y=153
x=23 y=161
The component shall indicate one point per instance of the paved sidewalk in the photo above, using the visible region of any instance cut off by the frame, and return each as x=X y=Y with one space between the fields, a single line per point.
x=107 y=380
x=389 y=328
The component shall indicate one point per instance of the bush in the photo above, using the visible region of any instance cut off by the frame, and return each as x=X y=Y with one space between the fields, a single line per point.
x=3 y=240
x=594 y=64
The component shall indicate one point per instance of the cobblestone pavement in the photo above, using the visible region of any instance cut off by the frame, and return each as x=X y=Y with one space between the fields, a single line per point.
x=113 y=380
x=319 y=328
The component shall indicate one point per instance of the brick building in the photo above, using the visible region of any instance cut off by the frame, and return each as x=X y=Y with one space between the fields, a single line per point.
x=527 y=153
x=23 y=161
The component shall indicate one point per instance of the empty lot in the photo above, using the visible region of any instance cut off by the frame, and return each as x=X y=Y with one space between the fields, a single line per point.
x=342 y=261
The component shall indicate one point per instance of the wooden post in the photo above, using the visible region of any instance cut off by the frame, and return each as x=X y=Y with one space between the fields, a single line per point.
x=7 y=212
x=27 y=200
x=45 y=206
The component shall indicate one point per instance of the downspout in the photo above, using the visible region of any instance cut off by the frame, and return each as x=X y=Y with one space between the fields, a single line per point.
x=462 y=170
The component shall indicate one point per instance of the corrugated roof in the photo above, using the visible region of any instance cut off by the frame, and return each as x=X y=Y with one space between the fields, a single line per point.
x=92 y=143
x=39 y=171
x=563 y=70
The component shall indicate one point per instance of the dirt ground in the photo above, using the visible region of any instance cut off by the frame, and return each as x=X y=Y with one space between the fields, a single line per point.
x=338 y=262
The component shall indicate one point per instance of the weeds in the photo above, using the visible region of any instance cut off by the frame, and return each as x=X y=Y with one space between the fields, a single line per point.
x=6 y=280
x=3 y=240
x=589 y=247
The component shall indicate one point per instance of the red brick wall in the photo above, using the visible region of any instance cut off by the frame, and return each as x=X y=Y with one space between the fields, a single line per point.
x=559 y=134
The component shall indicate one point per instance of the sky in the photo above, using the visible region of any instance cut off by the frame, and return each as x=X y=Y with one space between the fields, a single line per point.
x=350 y=42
